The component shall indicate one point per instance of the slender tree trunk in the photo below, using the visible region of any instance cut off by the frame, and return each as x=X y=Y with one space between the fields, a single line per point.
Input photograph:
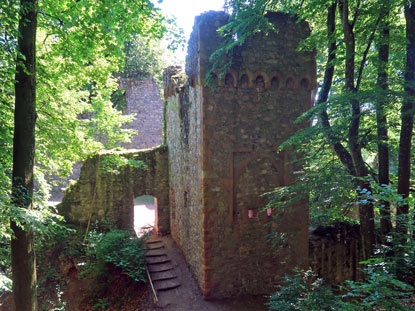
x=338 y=148
x=407 y=113
x=381 y=120
x=366 y=212
x=22 y=248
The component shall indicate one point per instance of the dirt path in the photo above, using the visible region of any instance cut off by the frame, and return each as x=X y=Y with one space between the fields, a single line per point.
x=187 y=297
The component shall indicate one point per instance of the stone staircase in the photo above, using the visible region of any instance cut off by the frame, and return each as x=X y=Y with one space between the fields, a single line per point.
x=160 y=267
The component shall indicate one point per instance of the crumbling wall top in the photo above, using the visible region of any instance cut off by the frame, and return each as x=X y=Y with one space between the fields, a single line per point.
x=173 y=80
x=205 y=26
x=128 y=79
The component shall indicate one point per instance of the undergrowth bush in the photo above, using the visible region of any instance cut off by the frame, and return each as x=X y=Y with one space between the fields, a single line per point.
x=63 y=248
x=380 y=290
x=59 y=248
x=120 y=248
x=303 y=291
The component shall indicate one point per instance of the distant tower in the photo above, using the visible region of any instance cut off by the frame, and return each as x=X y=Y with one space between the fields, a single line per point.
x=143 y=99
x=223 y=156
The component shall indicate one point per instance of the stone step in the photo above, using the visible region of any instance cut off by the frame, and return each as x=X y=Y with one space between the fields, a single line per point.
x=157 y=260
x=154 y=247
x=154 y=242
x=160 y=267
x=163 y=275
x=155 y=253
x=167 y=284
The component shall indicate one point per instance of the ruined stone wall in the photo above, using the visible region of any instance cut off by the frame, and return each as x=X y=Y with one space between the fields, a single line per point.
x=184 y=140
x=335 y=253
x=143 y=100
x=243 y=121
x=101 y=194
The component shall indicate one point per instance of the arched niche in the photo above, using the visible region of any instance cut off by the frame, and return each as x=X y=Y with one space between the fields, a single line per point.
x=245 y=80
x=230 y=79
x=261 y=81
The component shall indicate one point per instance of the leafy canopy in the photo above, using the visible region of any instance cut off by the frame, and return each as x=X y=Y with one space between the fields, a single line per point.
x=80 y=45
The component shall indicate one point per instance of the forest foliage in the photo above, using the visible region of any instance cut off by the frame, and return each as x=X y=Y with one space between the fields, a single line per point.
x=358 y=156
x=80 y=45
x=79 y=48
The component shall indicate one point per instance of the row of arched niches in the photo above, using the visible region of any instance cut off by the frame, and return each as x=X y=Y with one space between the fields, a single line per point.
x=259 y=81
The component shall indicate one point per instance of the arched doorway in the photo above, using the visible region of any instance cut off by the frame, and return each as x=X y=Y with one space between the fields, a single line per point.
x=144 y=214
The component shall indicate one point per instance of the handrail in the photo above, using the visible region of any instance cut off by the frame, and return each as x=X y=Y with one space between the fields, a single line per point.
x=152 y=286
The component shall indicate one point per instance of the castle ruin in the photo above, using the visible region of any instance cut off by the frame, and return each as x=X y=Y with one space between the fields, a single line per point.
x=221 y=154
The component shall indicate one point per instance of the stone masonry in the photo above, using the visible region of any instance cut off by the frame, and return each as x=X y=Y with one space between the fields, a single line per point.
x=223 y=154
x=144 y=101
x=100 y=194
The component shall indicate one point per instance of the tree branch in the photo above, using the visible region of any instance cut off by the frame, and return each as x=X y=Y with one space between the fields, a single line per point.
x=366 y=52
x=356 y=13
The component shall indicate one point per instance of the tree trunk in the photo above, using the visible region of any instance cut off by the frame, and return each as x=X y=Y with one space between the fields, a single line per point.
x=366 y=212
x=337 y=147
x=407 y=113
x=381 y=120
x=22 y=248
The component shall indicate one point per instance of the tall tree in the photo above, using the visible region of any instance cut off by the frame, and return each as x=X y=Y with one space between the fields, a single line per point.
x=22 y=243
x=407 y=112
x=366 y=213
x=381 y=118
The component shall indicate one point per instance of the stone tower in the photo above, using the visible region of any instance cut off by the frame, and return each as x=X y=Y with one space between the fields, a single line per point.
x=143 y=99
x=223 y=154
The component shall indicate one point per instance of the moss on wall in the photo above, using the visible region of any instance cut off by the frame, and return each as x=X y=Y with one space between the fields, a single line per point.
x=106 y=193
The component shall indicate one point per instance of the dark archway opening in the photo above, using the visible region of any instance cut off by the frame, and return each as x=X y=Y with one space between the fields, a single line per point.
x=144 y=214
